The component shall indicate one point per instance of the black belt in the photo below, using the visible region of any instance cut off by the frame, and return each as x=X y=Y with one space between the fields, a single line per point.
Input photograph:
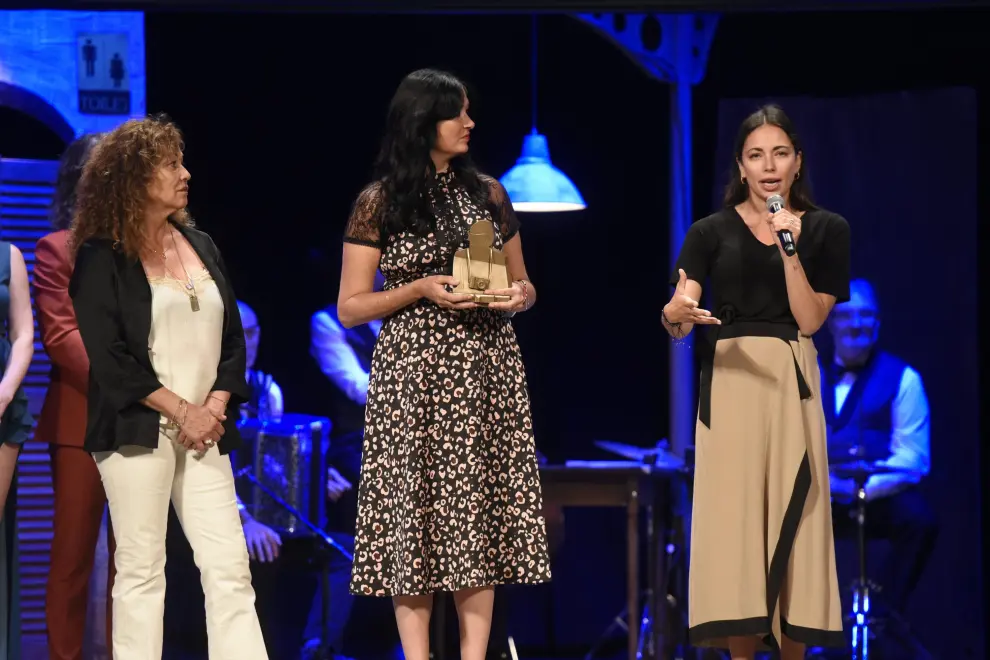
x=730 y=330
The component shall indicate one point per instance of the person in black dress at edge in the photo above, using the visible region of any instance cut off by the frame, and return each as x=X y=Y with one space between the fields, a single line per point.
x=16 y=351
x=449 y=496
x=762 y=555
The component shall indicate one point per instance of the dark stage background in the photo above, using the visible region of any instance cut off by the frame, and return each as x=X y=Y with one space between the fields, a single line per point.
x=283 y=114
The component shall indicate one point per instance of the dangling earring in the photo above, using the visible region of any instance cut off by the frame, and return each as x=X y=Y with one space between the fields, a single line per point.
x=798 y=175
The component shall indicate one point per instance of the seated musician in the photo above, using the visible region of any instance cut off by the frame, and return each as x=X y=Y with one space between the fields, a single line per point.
x=266 y=395
x=263 y=541
x=876 y=401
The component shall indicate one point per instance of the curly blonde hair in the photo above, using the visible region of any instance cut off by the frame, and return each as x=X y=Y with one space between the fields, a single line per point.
x=112 y=195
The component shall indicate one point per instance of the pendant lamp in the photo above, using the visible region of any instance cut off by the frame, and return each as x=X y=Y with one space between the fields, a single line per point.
x=534 y=185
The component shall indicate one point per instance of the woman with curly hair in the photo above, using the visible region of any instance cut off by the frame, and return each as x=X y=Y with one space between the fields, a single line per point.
x=160 y=323
x=449 y=496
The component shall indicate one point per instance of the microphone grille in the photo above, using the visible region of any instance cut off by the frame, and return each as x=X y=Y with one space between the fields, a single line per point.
x=775 y=201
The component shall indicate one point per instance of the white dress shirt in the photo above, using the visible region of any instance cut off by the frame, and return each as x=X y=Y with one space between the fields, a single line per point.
x=910 y=446
x=337 y=360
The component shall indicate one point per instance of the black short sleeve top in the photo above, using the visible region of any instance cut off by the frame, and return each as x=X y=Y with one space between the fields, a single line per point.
x=745 y=277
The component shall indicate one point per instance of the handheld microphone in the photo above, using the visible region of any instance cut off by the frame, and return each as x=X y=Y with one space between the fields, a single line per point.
x=776 y=203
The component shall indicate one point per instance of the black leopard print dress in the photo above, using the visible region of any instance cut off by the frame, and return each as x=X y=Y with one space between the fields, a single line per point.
x=449 y=496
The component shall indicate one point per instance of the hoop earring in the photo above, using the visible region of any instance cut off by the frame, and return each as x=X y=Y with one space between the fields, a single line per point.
x=798 y=175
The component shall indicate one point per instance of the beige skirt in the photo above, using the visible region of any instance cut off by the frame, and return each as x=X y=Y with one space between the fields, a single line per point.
x=762 y=554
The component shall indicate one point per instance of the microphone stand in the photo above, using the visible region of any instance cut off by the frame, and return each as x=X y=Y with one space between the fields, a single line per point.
x=324 y=652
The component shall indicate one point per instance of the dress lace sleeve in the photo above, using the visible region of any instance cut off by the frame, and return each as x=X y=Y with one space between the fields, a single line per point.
x=364 y=227
x=505 y=217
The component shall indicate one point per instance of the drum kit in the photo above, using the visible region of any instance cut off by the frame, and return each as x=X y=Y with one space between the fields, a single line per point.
x=849 y=465
x=860 y=471
x=658 y=456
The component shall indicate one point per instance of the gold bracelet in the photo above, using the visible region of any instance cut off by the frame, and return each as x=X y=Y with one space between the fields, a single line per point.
x=216 y=398
x=183 y=405
x=525 y=286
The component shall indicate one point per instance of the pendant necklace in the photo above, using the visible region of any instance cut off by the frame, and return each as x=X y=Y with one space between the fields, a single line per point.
x=190 y=288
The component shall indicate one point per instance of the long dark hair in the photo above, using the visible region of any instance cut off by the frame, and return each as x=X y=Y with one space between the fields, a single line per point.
x=404 y=167
x=737 y=192
x=70 y=169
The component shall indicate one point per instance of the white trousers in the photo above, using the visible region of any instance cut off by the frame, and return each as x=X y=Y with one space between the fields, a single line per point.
x=139 y=483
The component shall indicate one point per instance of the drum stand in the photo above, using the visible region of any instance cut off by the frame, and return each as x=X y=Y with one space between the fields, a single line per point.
x=647 y=618
x=623 y=619
x=861 y=618
x=324 y=651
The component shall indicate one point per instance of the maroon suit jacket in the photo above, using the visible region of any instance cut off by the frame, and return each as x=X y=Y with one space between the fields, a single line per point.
x=63 y=416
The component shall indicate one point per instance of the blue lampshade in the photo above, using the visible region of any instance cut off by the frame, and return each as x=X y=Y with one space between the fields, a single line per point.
x=535 y=185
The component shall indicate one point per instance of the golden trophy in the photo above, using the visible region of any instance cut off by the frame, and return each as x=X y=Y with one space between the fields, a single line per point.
x=480 y=266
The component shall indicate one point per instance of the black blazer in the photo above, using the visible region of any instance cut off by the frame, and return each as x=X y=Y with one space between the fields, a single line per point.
x=112 y=301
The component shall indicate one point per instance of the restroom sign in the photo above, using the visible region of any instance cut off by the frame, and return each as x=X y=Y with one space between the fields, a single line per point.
x=104 y=73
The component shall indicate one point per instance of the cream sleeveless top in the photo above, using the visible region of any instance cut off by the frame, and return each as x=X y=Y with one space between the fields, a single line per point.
x=185 y=345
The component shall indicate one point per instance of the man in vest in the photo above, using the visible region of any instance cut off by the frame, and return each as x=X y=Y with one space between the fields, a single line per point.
x=876 y=402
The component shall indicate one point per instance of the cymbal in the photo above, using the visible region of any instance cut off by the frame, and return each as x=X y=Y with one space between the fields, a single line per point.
x=658 y=455
x=853 y=469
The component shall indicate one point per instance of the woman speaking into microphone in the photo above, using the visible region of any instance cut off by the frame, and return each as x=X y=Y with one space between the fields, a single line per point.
x=762 y=556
